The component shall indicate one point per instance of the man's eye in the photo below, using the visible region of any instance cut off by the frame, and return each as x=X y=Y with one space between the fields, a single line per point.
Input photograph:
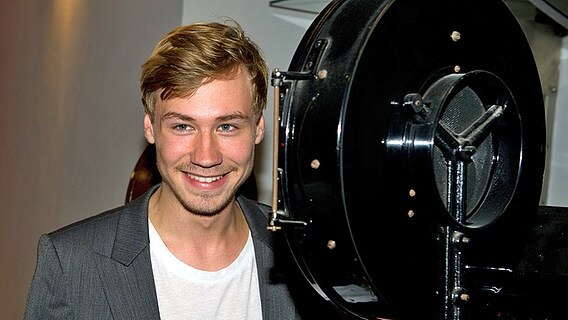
x=181 y=127
x=226 y=127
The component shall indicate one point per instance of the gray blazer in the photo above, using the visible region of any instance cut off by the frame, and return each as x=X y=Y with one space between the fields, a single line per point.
x=100 y=268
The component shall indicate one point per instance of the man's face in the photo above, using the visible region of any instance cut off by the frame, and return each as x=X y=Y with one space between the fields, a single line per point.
x=205 y=144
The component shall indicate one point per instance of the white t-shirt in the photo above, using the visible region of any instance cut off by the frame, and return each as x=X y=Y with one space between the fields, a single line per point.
x=188 y=293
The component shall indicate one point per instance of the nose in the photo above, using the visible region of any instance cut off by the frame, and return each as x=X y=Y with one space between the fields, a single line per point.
x=206 y=152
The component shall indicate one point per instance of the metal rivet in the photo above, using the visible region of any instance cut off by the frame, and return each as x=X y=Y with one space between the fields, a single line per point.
x=315 y=164
x=457 y=69
x=322 y=73
x=412 y=192
x=410 y=213
x=456 y=36
x=331 y=244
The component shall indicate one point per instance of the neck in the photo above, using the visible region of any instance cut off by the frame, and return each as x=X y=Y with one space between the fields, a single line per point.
x=203 y=242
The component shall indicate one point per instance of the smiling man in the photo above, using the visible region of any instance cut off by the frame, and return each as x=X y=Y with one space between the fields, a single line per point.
x=191 y=247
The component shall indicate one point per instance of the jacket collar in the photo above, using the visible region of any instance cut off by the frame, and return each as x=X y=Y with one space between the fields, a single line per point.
x=132 y=231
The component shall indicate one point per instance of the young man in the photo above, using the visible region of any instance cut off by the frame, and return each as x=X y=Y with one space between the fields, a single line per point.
x=191 y=247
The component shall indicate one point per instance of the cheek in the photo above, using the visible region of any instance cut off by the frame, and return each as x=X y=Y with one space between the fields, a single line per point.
x=169 y=152
x=240 y=153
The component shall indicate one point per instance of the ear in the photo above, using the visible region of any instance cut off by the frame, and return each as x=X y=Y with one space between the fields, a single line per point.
x=148 y=129
x=259 y=130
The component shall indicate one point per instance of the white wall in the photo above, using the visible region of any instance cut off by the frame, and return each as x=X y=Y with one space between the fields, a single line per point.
x=70 y=118
x=557 y=186
x=551 y=55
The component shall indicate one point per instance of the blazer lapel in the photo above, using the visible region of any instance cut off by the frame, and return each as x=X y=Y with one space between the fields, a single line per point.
x=274 y=295
x=126 y=275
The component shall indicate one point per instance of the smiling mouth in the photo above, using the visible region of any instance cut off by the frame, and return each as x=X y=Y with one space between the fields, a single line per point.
x=204 y=179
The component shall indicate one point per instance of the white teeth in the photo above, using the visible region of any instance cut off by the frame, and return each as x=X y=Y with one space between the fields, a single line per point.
x=205 y=179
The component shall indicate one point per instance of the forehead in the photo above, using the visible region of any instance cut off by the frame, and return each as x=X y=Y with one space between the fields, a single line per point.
x=213 y=99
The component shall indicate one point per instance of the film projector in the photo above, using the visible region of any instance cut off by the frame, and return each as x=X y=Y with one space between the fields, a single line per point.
x=409 y=155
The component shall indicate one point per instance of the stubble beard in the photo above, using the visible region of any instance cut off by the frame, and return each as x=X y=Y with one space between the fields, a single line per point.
x=206 y=205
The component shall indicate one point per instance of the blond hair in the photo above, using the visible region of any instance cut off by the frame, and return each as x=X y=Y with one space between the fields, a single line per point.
x=191 y=55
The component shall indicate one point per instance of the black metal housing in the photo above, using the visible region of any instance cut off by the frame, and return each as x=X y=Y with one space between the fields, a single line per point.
x=364 y=149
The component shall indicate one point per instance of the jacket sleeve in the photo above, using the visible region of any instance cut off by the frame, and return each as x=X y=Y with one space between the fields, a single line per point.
x=47 y=298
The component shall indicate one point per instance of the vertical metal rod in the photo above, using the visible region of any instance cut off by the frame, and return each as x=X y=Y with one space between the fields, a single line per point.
x=275 y=146
x=460 y=207
x=448 y=259
x=456 y=204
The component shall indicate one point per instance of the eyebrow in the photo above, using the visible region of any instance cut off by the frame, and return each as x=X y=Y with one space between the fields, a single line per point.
x=175 y=115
